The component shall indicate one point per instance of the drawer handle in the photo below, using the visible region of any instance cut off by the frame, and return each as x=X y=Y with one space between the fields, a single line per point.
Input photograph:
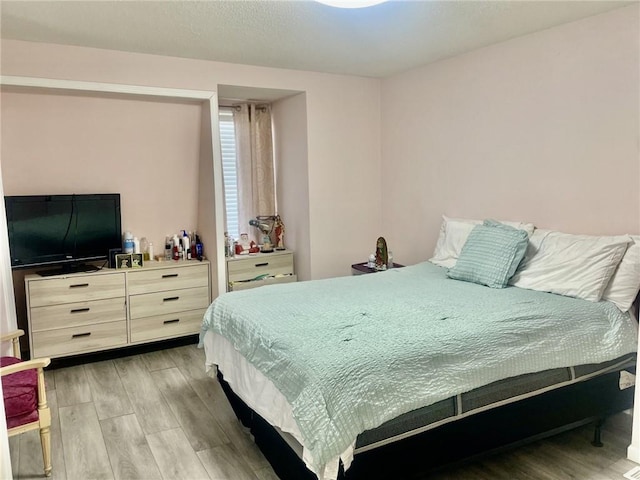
x=169 y=275
x=170 y=299
x=79 y=285
x=80 y=310
x=78 y=335
x=175 y=320
x=262 y=264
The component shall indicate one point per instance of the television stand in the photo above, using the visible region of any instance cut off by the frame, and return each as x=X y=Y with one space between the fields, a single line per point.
x=69 y=268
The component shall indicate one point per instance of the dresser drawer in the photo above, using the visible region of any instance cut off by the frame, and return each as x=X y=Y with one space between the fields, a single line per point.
x=251 y=267
x=259 y=283
x=173 y=301
x=162 y=279
x=89 y=338
x=78 y=314
x=166 y=326
x=76 y=288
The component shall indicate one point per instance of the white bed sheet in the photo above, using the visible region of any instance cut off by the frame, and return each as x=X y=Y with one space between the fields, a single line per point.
x=262 y=396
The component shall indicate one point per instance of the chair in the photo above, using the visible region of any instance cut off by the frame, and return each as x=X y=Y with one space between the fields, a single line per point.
x=25 y=399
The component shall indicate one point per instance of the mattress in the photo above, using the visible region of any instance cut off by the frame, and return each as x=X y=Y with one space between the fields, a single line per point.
x=352 y=353
x=484 y=398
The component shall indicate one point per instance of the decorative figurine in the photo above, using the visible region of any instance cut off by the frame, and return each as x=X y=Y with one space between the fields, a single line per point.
x=244 y=244
x=382 y=256
x=279 y=233
x=253 y=248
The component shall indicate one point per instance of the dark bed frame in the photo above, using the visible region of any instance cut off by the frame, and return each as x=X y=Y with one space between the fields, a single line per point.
x=507 y=426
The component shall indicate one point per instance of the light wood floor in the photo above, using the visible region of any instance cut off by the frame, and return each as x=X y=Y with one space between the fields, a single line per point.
x=158 y=416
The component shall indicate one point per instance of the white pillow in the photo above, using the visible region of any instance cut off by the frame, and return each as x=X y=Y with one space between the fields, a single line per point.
x=572 y=265
x=625 y=282
x=453 y=235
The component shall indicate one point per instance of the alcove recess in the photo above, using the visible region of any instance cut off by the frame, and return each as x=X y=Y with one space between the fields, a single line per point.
x=209 y=218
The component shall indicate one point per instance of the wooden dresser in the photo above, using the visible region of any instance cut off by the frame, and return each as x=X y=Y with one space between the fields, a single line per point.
x=89 y=312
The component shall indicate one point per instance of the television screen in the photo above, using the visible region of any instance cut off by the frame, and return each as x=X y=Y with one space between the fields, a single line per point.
x=59 y=229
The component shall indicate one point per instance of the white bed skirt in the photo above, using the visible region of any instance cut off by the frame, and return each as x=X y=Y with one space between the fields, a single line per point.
x=262 y=396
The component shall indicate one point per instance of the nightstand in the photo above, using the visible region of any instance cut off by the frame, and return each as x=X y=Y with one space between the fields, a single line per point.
x=250 y=271
x=362 y=269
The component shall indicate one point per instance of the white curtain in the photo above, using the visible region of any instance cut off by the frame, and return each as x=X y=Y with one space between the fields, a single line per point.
x=254 y=150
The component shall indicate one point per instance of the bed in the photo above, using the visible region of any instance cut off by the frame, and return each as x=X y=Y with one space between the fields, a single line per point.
x=336 y=377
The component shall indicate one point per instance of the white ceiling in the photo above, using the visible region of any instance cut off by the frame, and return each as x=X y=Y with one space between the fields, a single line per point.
x=376 y=41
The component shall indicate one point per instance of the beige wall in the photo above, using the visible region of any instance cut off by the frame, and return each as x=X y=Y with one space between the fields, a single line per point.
x=344 y=178
x=343 y=162
x=292 y=177
x=542 y=128
x=147 y=151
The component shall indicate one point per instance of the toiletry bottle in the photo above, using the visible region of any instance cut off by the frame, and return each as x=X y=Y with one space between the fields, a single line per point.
x=176 y=247
x=186 y=247
x=144 y=248
x=192 y=240
x=150 y=252
x=136 y=245
x=199 y=248
x=168 y=248
x=128 y=242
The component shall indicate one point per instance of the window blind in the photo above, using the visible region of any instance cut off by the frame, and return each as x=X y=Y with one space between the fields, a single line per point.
x=229 y=171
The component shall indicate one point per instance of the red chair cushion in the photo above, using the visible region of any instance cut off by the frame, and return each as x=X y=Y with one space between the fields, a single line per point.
x=20 y=392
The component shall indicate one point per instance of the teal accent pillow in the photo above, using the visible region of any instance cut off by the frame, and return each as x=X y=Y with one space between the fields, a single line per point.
x=490 y=255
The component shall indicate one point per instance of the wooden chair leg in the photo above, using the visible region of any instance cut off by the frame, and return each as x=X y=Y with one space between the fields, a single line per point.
x=44 y=417
x=45 y=440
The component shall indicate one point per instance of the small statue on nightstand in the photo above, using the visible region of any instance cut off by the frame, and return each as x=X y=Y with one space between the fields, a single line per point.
x=243 y=244
x=278 y=230
x=382 y=255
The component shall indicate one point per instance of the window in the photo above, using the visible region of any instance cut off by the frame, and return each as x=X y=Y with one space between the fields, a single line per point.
x=229 y=170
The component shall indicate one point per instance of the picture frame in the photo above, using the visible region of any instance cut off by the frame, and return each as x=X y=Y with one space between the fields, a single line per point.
x=137 y=260
x=123 y=260
x=112 y=256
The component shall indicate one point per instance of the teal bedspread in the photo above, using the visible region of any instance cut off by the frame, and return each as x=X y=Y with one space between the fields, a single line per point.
x=350 y=353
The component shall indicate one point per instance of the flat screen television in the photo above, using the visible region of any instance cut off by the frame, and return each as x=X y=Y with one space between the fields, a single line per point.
x=62 y=230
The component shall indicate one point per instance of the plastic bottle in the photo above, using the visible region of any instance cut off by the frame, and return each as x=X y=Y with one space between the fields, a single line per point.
x=128 y=242
x=144 y=248
x=199 y=249
x=150 y=251
x=168 y=250
x=136 y=245
x=176 y=247
x=186 y=246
